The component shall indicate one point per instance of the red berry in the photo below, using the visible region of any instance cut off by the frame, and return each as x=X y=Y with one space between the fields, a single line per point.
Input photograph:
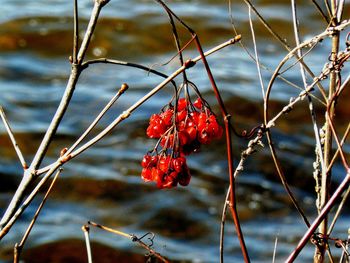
x=169 y=181
x=157 y=174
x=198 y=103
x=185 y=177
x=181 y=115
x=164 y=163
x=192 y=133
x=183 y=138
x=167 y=141
x=167 y=117
x=179 y=163
x=203 y=137
x=181 y=104
x=145 y=161
x=146 y=174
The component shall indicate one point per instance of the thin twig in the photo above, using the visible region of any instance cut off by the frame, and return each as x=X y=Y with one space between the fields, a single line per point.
x=339 y=209
x=222 y=224
x=6 y=228
x=324 y=212
x=122 y=89
x=263 y=66
x=302 y=72
x=13 y=140
x=267 y=26
x=244 y=155
x=275 y=249
x=338 y=149
x=319 y=9
x=132 y=238
x=227 y=118
x=335 y=135
x=75 y=33
x=256 y=53
x=20 y=246
x=86 y=230
x=123 y=63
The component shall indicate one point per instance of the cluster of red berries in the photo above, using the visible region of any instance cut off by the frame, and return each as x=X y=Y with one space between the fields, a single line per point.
x=166 y=171
x=181 y=131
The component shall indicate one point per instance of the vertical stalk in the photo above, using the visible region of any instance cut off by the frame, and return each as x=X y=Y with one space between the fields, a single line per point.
x=327 y=151
x=227 y=118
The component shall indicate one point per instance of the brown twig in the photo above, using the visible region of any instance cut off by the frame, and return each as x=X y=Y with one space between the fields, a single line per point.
x=319 y=9
x=133 y=238
x=19 y=247
x=244 y=155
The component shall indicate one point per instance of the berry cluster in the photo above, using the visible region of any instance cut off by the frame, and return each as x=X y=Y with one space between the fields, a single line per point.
x=166 y=171
x=180 y=130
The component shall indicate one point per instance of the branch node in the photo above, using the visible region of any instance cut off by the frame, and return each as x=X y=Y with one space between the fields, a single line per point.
x=189 y=63
x=125 y=115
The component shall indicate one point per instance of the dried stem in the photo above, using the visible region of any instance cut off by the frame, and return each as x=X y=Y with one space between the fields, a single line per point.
x=29 y=199
x=338 y=150
x=19 y=247
x=326 y=174
x=75 y=33
x=244 y=155
x=86 y=230
x=227 y=118
x=13 y=140
x=319 y=9
x=339 y=209
x=324 y=212
x=122 y=89
x=222 y=224
x=302 y=72
x=133 y=239
x=123 y=63
x=257 y=61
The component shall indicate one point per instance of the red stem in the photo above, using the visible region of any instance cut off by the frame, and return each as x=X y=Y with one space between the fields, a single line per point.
x=324 y=212
x=226 y=118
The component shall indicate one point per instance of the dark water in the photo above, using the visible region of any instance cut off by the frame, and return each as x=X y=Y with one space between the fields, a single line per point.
x=103 y=184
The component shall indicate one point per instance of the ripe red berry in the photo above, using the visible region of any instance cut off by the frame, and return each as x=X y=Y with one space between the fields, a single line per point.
x=181 y=104
x=192 y=133
x=198 y=103
x=146 y=174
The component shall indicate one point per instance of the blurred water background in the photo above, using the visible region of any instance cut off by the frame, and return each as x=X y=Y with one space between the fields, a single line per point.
x=104 y=184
